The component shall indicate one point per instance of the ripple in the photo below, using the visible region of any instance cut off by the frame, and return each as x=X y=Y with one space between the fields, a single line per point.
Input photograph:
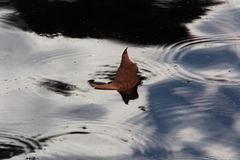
x=12 y=145
x=206 y=60
x=52 y=55
x=97 y=140
x=56 y=70
x=150 y=70
x=193 y=116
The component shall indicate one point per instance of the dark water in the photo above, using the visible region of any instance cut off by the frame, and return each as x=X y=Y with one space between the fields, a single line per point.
x=188 y=105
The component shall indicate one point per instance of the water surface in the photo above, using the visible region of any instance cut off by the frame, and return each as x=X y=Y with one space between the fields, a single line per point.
x=188 y=57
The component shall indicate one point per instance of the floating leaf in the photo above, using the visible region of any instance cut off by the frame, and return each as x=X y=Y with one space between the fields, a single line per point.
x=126 y=80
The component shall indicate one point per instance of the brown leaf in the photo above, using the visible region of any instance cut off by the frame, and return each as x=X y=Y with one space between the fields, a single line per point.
x=126 y=80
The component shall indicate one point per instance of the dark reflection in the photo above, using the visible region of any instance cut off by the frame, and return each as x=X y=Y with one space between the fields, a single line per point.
x=44 y=139
x=58 y=87
x=13 y=145
x=110 y=74
x=136 y=21
x=8 y=151
x=106 y=74
x=217 y=79
x=142 y=108
x=5 y=2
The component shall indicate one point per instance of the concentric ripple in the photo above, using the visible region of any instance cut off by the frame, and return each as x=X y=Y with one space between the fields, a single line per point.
x=150 y=70
x=207 y=60
x=12 y=145
x=97 y=140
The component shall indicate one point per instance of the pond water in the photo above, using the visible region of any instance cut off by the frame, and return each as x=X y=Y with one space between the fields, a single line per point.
x=188 y=105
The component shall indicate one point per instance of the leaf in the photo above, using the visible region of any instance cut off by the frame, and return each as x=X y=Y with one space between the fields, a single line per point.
x=126 y=80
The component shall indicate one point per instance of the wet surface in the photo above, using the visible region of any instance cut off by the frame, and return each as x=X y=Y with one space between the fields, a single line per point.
x=188 y=100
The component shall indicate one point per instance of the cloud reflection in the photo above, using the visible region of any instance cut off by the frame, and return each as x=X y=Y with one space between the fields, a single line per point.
x=198 y=125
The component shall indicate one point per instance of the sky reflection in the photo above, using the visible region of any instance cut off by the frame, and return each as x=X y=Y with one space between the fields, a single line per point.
x=190 y=100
